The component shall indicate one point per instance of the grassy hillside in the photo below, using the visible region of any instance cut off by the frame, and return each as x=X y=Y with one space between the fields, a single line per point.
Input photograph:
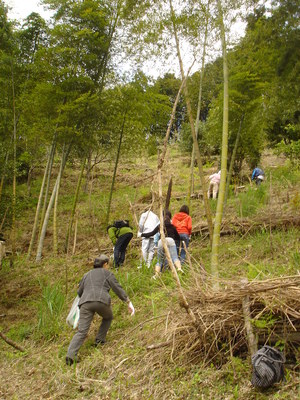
x=35 y=298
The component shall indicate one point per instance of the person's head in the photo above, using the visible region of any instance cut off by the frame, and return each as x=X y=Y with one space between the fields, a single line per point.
x=167 y=213
x=185 y=209
x=100 y=261
x=167 y=220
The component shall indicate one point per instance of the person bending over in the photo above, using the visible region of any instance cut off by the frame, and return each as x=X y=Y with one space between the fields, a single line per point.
x=94 y=298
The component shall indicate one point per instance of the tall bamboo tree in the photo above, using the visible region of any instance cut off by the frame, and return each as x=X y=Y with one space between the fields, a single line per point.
x=221 y=196
x=192 y=125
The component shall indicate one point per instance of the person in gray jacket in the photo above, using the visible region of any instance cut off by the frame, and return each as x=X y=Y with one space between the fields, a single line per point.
x=94 y=298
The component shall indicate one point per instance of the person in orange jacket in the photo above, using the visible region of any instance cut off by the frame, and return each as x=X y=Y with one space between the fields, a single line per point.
x=183 y=223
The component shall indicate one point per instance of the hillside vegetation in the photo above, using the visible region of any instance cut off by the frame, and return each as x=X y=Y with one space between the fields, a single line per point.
x=260 y=241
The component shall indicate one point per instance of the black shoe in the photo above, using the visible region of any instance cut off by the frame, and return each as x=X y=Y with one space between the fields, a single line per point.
x=100 y=343
x=69 y=361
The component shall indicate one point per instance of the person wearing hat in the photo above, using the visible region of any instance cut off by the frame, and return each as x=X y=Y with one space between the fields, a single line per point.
x=94 y=298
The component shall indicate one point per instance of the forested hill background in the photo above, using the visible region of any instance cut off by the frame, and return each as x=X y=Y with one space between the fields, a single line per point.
x=84 y=143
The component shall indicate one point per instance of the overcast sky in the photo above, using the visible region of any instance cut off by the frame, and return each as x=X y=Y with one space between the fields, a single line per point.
x=20 y=9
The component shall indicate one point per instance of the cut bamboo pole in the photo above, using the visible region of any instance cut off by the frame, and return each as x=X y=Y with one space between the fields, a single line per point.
x=252 y=340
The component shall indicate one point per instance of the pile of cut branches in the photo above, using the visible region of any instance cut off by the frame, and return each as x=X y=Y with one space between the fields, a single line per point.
x=246 y=225
x=219 y=331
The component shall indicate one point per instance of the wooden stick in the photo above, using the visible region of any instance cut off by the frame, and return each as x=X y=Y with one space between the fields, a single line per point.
x=159 y=345
x=12 y=343
x=252 y=341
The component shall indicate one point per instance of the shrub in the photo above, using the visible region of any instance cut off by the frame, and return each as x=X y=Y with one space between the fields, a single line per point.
x=251 y=200
x=290 y=150
x=49 y=312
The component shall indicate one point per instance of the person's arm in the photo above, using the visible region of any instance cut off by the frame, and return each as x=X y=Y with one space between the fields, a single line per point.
x=176 y=235
x=189 y=225
x=81 y=287
x=120 y=292
x=152 y=233
x=112 y=234
x=141 y=223
x=117 y=288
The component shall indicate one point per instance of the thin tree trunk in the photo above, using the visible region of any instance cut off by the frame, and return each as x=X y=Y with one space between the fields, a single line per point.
x=183 y=302
x=50 y=205
x=3 y=173
x=221 y=195
x=55 y=245
x=75 y=237
x=4 y=218
x=189 y=110
x=14 y=186
x=168 y=197
x=74 y=206
x=29 y=178
x=252 y=340
x=232 y=160
x=55 y=241
x=92 y=214
x=39 y=204
x=191 y=185
x=53 y=149
x=115 y=169
x=88 y=173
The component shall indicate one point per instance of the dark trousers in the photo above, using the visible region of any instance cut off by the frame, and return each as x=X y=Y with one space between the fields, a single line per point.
x=87 y=311
x=120 y=248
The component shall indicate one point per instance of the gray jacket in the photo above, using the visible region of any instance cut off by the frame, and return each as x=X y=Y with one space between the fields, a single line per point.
x=96 y=284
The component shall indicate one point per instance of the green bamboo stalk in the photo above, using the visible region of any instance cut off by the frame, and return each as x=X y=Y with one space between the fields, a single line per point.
x=221 y=195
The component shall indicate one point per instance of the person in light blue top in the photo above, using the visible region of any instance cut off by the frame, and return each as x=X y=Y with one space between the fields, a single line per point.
x=258 y=176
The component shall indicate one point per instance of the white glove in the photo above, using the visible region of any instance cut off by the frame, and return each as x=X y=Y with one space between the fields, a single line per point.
x=139 y=234
x=131 y=309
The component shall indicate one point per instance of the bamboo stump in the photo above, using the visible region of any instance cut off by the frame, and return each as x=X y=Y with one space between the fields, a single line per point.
x=251 y=339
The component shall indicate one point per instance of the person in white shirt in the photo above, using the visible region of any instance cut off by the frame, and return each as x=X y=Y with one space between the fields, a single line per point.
x=214 y=182
x=147 y=223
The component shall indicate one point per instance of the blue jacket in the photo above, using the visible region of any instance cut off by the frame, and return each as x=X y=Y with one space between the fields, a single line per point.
x=256 y=172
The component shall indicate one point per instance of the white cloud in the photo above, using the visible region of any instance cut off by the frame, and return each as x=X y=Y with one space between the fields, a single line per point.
x=20 y=9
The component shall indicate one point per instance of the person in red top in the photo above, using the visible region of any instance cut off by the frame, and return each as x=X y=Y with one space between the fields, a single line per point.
x=183 y=223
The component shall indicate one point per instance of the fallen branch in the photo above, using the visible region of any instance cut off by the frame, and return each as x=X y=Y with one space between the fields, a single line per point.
x=244 y=225
x=12 y=343
x=159 y=345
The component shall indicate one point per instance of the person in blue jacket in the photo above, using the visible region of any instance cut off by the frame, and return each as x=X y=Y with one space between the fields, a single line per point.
x=258 y=176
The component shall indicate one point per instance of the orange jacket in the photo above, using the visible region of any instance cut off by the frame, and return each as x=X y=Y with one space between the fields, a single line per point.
x=182 y=222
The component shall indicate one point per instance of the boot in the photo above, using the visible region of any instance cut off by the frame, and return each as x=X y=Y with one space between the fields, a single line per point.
x=177 y=264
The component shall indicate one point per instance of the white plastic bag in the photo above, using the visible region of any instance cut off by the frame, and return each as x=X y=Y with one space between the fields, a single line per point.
x=74 y=314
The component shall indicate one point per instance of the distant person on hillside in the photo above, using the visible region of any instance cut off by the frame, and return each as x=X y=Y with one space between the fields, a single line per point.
x=183 y=223
x=214 y=182
x=120 y=234
x=94 y=298
x=258 y=176
x=147 y=223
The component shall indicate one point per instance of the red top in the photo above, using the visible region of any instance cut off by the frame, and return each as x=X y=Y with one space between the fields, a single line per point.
x=182 y=222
